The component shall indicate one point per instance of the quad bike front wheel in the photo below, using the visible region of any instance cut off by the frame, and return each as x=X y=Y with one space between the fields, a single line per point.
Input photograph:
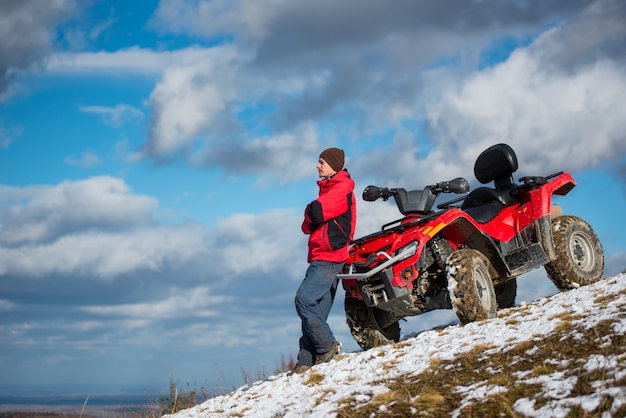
x=579 y=256
x=366 y=324
x=470 y=285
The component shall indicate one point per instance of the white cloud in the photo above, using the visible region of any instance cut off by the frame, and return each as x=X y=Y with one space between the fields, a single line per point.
x=282 y=158
x=199 y=103
x=107 y=254
x=86 y=160
x=39 y=213
x=556 y=112
x=289 y=55
x=98 y=228
x=115 y=116
x=248 y=20
x=253 y=245
x=187 y=101
x=552 y=118
x=200 y=302
x=27 y=35
x=131 y=60
x=6 y=305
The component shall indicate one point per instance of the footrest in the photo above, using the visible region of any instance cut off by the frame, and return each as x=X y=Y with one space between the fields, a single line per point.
x=526 y=259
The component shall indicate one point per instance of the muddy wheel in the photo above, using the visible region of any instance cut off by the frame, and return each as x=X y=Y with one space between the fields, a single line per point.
x=579 y=256
x=470 y=285
x=365 y=323
x=506 y=293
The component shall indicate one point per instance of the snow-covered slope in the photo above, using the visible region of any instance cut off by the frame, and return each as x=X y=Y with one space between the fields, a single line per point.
x=564 y=354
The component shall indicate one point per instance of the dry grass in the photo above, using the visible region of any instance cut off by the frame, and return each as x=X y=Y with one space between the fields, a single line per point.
x=507 y=376
x=313 y=378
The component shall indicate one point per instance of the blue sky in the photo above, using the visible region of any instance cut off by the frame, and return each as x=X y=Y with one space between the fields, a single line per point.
x=156 y=158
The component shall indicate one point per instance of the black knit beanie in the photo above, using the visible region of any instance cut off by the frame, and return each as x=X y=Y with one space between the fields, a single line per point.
x=334 y=157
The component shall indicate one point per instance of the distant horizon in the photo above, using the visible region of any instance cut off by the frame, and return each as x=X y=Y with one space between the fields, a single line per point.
x=38 y=397
x=88 y=409
x=59 y=402
x=74 y=391
x=63 y=399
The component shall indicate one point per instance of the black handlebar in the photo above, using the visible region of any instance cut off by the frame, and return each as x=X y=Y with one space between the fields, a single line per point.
x=457 y=185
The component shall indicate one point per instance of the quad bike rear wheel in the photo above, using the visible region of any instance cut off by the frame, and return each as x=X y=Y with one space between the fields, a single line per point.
x=470 y=285
x=365 y=324
x=579 y=256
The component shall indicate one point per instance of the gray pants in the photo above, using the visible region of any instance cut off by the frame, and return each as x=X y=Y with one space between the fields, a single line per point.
x=314 y=299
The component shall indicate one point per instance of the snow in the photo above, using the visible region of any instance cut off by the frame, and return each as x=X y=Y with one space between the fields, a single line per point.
x=360 y=376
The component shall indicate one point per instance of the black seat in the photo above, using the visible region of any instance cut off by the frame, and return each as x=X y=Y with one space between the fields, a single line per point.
x=497 y=163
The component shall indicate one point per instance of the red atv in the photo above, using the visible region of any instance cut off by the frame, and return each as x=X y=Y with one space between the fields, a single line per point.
x=467 y=255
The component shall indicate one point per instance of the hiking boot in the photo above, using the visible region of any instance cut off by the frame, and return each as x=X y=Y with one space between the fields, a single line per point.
x=300 y=368
x=329 y=355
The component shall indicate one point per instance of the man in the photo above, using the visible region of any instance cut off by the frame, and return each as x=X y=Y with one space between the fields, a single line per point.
x=329 y=221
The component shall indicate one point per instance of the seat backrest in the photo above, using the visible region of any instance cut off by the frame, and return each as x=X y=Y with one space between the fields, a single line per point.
x=497 y=163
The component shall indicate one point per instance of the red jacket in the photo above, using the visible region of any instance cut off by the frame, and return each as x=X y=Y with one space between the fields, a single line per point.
x=330 y=219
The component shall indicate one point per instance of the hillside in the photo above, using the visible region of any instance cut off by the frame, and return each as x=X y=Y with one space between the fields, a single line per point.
x=555 y=357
